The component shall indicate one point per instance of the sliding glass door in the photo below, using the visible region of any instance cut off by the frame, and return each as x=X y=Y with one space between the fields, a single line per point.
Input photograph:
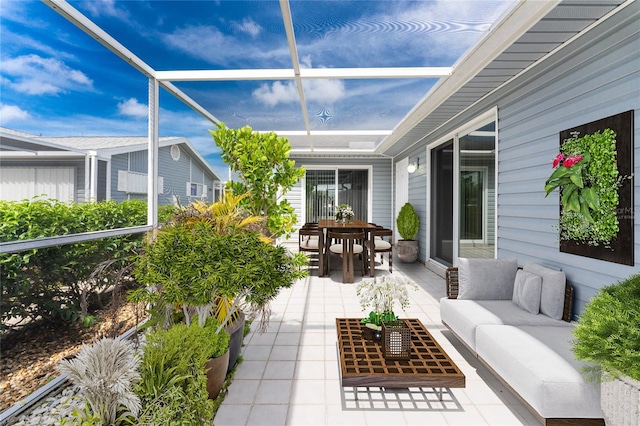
x=325 y=189
x=463 y=195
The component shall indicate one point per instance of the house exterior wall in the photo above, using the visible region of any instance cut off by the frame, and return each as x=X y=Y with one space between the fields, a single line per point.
x=77 y=165
x=175 y=175
x=381 y=186
x=596 y=76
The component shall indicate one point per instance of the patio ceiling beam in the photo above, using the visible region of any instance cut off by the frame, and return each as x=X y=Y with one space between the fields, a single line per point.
x=293 y=51
x=304 y=73
x=334 y=132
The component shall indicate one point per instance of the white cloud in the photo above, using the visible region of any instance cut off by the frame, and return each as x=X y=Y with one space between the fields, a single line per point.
x=35 y=75
x=248 y=26
x=210 y=44
x=277 y=92
x=321 y=90
x=133 y=108
x=11 y=113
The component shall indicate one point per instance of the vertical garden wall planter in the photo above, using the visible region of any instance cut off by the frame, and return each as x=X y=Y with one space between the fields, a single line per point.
x=606 y=148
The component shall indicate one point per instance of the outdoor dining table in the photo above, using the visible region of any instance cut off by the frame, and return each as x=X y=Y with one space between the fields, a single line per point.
x=326 y=224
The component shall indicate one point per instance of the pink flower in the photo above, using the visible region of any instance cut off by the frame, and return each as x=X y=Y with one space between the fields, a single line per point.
x=571 y=160
x=557 y=160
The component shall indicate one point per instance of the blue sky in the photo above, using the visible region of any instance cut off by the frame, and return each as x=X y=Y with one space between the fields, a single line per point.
x=57 y=81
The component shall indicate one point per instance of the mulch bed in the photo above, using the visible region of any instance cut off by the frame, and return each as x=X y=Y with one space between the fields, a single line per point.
x=28 y=358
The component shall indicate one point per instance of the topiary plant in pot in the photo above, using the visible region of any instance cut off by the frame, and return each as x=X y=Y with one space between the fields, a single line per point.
x=607 y=337
x=408 y=224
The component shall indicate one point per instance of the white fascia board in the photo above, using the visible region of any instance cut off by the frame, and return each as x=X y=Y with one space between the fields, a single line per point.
x=41 y=154
x=517 y=22
x=305 y=73
x=85 y=24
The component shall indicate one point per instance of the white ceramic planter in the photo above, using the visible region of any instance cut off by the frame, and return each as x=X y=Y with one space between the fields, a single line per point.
x=620 y=401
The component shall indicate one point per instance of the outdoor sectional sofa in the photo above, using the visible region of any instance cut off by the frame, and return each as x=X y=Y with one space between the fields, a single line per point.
x=517 y=321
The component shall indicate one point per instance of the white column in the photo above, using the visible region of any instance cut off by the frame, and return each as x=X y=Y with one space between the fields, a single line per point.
x=152 y=168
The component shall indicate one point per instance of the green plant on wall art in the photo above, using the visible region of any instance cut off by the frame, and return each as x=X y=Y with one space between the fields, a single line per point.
x=586 y=174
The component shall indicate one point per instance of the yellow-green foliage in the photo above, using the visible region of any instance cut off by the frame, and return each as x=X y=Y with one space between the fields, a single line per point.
x=608 y=331
x=266 y=173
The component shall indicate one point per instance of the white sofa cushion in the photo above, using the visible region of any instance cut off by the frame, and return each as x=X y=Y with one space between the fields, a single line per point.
x=463 y=316
x=486 y=279
x=537 y=363
x=553 y=288
x=526 y=291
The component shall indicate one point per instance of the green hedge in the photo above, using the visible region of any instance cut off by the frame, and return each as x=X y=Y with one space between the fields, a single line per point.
x=51 y=282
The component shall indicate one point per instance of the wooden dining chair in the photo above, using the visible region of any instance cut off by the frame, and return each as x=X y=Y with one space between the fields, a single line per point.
x=346 y=245
x=309 y=241
x=381 y=245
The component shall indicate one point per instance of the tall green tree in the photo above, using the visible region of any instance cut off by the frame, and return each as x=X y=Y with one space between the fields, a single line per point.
x=261 y=161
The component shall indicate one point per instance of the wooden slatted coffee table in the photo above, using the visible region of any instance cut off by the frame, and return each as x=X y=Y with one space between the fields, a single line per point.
x=362 y=363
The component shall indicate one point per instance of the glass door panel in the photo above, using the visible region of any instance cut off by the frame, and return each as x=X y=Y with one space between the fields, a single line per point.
x=320 y=194
x=442 y=204
x=326 y=189
x=477 y=193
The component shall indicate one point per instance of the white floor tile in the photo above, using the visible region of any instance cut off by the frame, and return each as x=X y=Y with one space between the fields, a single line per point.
x=279 y=370
x=273 y=392
x=310 y=370
x=267 y=415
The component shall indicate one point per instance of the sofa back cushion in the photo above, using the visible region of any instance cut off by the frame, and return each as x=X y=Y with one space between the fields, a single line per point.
x=486 y=279
x=526 y=291
x=553 y=289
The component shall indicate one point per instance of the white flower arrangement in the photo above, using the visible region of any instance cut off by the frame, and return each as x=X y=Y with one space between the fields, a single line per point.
x=344 y=211
x=380 y=295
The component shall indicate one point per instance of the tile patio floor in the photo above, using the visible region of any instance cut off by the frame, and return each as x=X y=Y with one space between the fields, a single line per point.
x=289 y=375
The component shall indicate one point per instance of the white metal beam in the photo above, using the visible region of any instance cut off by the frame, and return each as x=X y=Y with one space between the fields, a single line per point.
x=304 y=73
x=291 y=40
x=79 y=20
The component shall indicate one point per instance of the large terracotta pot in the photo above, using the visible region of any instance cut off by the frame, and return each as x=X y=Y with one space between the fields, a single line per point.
x=407 y=250
x=216 y=373
x=236 y=333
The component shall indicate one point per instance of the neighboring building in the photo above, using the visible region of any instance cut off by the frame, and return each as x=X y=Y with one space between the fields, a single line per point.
x=483 y=141
x=97 y=168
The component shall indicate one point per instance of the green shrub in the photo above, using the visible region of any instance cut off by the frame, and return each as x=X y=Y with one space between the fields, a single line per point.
x=608 y=331
x=193 y=263
x=408 y=222
x=53 y=282
x=173 y=388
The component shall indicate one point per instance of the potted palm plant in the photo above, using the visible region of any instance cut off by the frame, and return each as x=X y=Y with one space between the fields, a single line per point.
x=208 y=257
x=408 y=224
x=608 y=339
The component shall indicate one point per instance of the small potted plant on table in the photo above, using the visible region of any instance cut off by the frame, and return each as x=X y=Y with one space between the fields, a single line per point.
x=380 y=294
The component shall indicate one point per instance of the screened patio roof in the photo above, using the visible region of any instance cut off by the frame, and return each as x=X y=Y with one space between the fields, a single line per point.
x=354 y=77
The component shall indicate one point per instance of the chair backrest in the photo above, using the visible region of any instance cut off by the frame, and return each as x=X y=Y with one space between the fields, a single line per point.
x=346 y=234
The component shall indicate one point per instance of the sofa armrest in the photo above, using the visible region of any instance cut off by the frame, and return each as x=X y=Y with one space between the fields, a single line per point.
x=568 y=302
x=451 y=279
